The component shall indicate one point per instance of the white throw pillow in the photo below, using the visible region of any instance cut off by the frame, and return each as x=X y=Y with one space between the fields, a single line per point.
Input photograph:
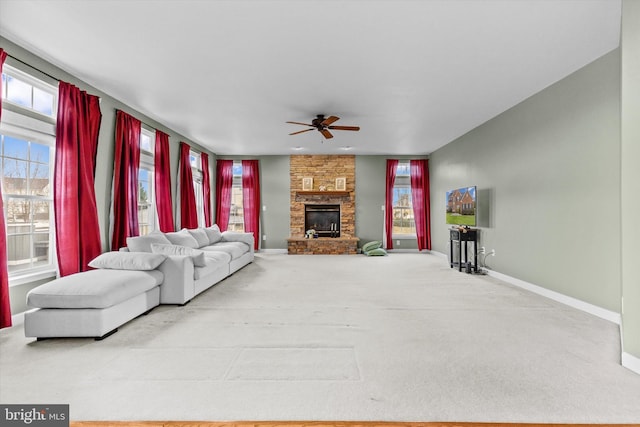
x=143 y=243
x=140 y=261
x=182 y=238
x=196 y=255
x=201 y=236
x=213 y=233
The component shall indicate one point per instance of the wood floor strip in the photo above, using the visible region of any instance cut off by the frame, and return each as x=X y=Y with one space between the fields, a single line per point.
x=320 y=424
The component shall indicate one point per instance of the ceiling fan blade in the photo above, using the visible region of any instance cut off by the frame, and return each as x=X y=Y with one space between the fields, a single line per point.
x=301 y=131
x=344 y=127
x=326 y=133
x=298 y=123
x=329 y=120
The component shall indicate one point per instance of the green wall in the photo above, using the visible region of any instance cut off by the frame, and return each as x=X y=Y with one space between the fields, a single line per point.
x=274 y=199
x=106 y=142
x=630 y=178
x=548 y=179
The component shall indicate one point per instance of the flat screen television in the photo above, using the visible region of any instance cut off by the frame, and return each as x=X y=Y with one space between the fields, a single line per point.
x=461 y=206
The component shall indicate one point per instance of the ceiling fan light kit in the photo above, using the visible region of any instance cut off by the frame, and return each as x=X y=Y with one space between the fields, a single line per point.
x=323 y=125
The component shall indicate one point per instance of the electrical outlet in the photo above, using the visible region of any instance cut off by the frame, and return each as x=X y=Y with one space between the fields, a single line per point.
x=398 y=242
x=264 y=237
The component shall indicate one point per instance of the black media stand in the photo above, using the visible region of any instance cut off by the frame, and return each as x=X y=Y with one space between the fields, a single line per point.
x=464 y=235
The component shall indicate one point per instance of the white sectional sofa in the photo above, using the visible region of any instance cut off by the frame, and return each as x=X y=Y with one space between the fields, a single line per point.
x=160 y=268
x=196 y=259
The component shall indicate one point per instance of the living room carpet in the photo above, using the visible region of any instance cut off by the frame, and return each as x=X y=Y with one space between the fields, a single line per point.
x=395 y=338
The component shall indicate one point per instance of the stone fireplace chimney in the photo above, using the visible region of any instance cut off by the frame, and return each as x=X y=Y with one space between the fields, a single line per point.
x=320 y=174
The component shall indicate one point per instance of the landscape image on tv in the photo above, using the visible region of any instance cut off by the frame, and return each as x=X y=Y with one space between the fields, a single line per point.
x=461 y=206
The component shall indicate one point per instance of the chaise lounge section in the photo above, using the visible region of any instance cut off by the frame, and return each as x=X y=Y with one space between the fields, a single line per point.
x=95 y=303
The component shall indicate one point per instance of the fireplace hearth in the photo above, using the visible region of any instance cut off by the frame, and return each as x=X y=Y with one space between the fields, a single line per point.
x=325 y=219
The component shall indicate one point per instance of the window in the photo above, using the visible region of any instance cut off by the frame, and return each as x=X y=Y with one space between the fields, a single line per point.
x=403 y=222
x=196 y=171
x=236 y=216
x=29 y=93
x=27 y=157
x=146 y=190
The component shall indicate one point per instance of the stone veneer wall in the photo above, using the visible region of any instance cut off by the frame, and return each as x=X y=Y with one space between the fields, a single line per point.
x=324 y=169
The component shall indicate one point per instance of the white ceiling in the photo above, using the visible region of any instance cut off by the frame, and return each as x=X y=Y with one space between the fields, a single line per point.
x=414 y=75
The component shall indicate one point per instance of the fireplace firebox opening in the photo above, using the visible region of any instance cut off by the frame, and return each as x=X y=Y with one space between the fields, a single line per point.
x=325 y=219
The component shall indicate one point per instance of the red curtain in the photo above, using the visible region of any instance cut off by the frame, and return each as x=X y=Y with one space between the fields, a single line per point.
x=162 y=178
x=74 y=198
x=420 y=200
x=188 y=214
x=392 y=166
x=224 y=181
x=206 y=188
x=125 y=179
x=5 y=303
x=251 y=199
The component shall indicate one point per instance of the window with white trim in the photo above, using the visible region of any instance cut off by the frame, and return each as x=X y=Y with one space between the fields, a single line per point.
x=236 y=216
x=404 y=225
x=27 y=159
x=147 y=217
x=196 y=172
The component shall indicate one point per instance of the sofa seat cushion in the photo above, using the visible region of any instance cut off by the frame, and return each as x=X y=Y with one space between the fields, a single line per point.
x=210 y=268
x=217 y=256
x=235 y=249
x=93 y=289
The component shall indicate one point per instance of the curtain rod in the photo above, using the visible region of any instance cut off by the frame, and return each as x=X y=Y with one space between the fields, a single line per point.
x=58 y=80
x=32 y=67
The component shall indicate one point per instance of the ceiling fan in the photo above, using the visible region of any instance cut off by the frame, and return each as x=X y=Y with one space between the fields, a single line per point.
x=322 y=125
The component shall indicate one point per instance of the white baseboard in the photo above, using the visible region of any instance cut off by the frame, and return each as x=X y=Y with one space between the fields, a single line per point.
x=17 y=319
x=273 y=251
x=600 y=312
x=631 y=362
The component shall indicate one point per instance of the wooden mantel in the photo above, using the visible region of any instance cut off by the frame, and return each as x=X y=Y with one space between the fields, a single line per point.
x=323 y=193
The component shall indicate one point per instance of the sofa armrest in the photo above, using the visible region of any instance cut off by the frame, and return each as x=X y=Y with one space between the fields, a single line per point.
x=178 y=285
x=234 y=236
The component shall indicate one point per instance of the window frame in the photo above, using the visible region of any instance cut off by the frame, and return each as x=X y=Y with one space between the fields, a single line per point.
x=147 y=162
x=195 y=160
x=236 y=193
x=34 y=82
x=33 y=126
x=403 y=181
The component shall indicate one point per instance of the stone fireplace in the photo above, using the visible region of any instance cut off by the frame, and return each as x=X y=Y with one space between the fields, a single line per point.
x=319 y=174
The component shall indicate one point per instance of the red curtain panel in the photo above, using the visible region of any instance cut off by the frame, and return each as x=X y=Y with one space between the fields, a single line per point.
x=188 y=214
x=125 y=179
x=162 y=178
x=251 y=199
x=392 y=166
x=420 y=199
x=74 y=199
x=5 y=304
x=224 y=181
x=206 y=189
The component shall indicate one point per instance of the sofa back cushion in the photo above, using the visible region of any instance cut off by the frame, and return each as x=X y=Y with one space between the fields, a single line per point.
x=201 y=236
x=182 y=238
x=196 y=255
x=143 y=243
x=214 y=234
